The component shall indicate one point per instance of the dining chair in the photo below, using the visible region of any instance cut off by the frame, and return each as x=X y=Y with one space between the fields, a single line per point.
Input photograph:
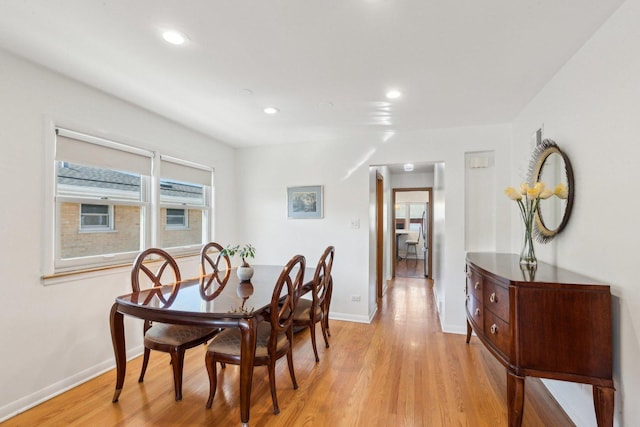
x=213 y=275
x=274 y=334
x=316 y=310
x=172 y=339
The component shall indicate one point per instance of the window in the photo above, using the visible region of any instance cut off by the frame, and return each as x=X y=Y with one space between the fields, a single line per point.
x=101 y=201
x=105 y=208
x=95 y=217
x=185 y=195
x=176 y=218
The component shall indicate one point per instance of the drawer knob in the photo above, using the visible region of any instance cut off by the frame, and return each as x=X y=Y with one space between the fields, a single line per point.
x=493 y=298
x=477 y=285
x=477 y=312
x=494 y=329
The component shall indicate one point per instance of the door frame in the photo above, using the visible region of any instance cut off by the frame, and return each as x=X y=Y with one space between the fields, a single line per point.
x=393 y=228
x=379 y=233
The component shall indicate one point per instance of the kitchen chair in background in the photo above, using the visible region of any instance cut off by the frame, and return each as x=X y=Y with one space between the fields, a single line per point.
x=274 y=335
x=412 y=244
x=213 y=277
x=315 y=310
x=172 y=339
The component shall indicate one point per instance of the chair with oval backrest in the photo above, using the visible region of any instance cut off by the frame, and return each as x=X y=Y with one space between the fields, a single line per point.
x=213 y=277
x=316 y=310
x=172 y=339
x=274 y=334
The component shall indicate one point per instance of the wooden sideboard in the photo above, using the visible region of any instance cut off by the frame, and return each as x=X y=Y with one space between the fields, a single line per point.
x=544 y=322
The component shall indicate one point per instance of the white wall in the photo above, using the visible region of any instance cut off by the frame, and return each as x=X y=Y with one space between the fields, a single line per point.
x=590 y=108
x=58 y=335
x=349 y=189
x=481 y=194
x=411 y=180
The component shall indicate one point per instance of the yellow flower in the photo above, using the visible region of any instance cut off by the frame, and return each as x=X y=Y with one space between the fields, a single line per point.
x=546 y=193
x=561 y=191
x=535 y=191
x=523 y=188
x=512 y=193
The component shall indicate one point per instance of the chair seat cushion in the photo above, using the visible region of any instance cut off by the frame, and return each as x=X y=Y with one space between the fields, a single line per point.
x=303 y=310
x=228 y=341
x=163 y=333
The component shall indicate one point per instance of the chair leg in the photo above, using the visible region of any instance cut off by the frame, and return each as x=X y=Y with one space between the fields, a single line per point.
x=272 y=385
x=312 y=331
x=177 y=360
x=213 y=378
x=323 y=327
x=291 y=371
x=145 y=363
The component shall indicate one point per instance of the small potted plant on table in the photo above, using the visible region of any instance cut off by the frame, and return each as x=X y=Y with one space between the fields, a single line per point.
x=245 y=271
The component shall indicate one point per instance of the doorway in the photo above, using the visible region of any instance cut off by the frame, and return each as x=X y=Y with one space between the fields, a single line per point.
x=413 y=223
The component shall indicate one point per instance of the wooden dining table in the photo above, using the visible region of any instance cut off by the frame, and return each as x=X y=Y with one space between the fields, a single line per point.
x=238 y=305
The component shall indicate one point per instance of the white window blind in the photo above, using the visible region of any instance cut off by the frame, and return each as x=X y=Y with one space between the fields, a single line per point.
x=74 y=147
x=183 y=171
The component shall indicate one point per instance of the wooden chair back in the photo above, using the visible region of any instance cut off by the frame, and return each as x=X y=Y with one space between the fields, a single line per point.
x=215 y=269
x=167 y=273
x=285 y=296
x=322 y=278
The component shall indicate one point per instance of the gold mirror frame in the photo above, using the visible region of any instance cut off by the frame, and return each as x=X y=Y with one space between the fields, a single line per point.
x=544 y=232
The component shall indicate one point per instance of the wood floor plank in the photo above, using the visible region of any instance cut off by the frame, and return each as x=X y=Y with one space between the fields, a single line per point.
x=400 y=370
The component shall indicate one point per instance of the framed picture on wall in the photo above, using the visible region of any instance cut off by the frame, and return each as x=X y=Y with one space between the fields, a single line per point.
x=304 y=202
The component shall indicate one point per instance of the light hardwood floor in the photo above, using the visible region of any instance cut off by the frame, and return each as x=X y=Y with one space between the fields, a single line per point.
x=401 y=370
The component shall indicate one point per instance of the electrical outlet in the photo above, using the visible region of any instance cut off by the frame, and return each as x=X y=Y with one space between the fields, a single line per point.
x=355 y=298
x=355 y=223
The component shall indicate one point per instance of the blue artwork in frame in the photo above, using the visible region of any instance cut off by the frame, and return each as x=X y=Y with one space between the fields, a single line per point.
x=304 y=202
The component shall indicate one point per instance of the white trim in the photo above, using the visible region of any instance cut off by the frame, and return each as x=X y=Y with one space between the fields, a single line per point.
x=170 y=159
x=27 y=402
x=357 y=318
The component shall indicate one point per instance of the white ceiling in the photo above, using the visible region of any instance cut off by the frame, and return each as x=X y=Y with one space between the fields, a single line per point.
x=326 y=64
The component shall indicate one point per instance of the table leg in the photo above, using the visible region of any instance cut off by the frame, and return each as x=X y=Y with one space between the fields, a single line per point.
x=117 y=337
x=469 y=330
x=248 y=328
x=515 y=398
x=603 y=402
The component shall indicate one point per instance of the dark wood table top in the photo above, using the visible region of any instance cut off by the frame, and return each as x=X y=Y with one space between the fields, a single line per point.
x=184 y=299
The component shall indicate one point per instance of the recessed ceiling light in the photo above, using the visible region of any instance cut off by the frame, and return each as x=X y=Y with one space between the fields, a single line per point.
x=271 y=110
x=408 y=167
x=394 y=94
x=174 y=37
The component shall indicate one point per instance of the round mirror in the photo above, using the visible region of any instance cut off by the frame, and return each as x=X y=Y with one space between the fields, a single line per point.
x=552 y=167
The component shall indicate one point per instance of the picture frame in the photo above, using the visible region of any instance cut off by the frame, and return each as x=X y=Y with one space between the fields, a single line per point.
x=305 y=202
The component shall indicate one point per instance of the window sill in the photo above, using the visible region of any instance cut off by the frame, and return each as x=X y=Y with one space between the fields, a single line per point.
x=93 y=272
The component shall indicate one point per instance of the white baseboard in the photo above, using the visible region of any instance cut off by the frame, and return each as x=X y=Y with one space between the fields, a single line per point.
x=351 y=317
x=27 y=402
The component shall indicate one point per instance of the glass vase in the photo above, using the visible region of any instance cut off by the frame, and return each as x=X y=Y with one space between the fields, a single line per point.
x=528 y=253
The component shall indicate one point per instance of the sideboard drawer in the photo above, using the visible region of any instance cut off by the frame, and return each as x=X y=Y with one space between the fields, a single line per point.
x=498 y=332
x=496 y=299
x=474 y=283
x=474 y=313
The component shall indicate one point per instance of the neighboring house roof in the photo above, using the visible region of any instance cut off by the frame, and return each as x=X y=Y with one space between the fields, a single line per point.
x=70 y=174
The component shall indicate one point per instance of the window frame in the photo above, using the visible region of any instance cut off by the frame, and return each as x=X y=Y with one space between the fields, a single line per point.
x=97 y=228
x=185 y=219
x=149 y=205
x=206 y=207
